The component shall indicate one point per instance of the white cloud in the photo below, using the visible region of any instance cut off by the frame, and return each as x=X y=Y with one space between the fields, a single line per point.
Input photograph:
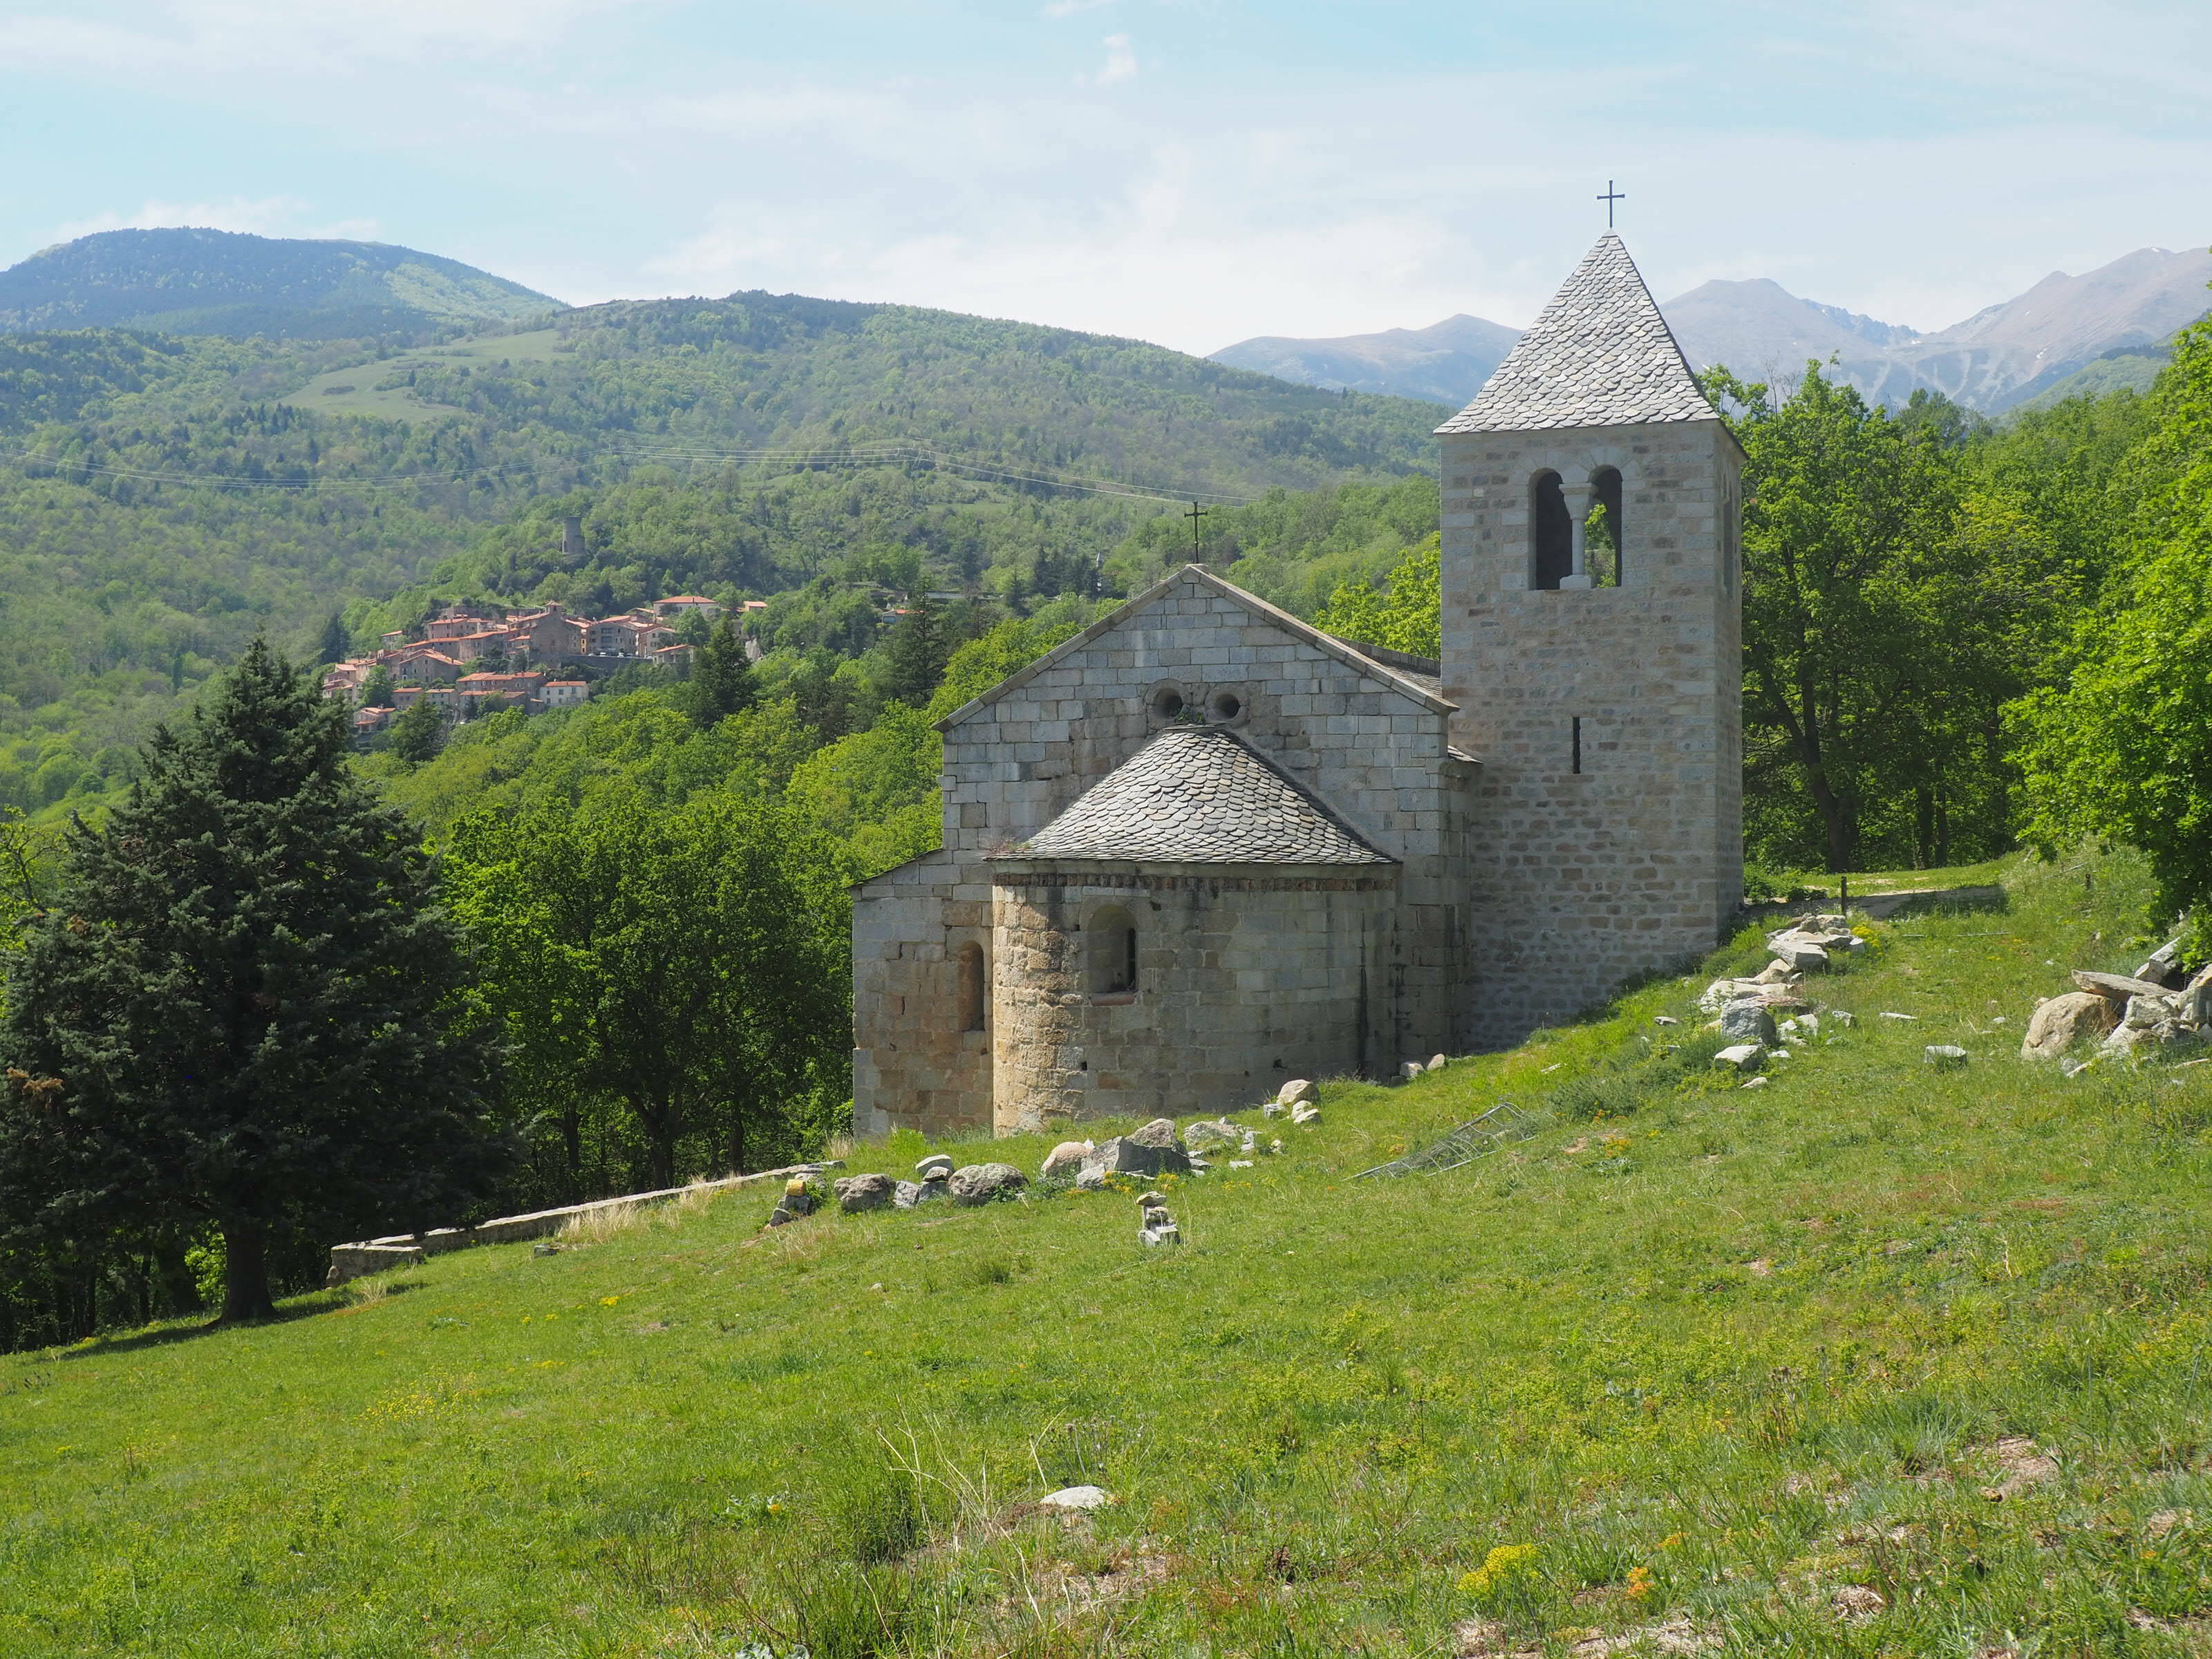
x=1070 y=8
x=217 y=38
x=267 y=216
x=1120 y=62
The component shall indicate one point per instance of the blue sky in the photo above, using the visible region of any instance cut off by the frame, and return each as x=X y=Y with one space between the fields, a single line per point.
x=1187 y=171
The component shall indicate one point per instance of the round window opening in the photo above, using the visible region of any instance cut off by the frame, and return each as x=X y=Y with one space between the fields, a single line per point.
x=1167 y=704
x=1227 y=705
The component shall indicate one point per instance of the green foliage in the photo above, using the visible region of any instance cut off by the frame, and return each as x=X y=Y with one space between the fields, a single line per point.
x=2121 y=747
x=914 y=655
x=721 y=678
x=1891 y=609
x=241 y=1007
x=417 y=732
x=1406 y=617
x=686 y=963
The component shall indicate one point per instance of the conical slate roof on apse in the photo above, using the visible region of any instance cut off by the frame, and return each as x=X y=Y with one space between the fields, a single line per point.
x=1600 y=354
x=1198 y=795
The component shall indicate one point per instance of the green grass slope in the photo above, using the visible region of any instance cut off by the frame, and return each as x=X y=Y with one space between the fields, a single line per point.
x=1757 y=1370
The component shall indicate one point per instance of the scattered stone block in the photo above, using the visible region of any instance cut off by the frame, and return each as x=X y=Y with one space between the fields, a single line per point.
x=1740 y=1056
x=1842 y=1018
x=1437 y=1062
x=1077 y=1497
x=982 y=1184
x=1302 y=1116
x=2060 y=1023
x=1407 y=1071
x=1945 y=1056
x=544 y=1246
x=1296 y=1090
x=2163 y=966
x=1803 y=955
x=1756 y=1083
x=2116 y=988
x=864 y=1192
x=906 y=1195
x=1154 y=1225
x=1242 y=1164
x=938 y=1162
x=1209 y=1133
x=1665 y=1020
x=1890 y=1014
x=1747 y=1021
x=1160 y=1131
x=1126 y=1155
x=1062 y=1162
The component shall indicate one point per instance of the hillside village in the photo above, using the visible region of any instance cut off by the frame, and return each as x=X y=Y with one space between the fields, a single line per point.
x=522 y=653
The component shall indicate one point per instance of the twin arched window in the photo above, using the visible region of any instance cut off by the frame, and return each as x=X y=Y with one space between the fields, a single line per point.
x=1575 y=531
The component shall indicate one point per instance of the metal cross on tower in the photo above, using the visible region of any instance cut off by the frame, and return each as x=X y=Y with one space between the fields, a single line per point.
x=1197 y=532
x=1610 y=196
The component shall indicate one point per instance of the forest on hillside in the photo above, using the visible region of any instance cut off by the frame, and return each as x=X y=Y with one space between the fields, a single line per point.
x=161 y=502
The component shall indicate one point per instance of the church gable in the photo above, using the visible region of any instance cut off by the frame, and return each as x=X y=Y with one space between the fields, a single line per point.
x=1194 y=650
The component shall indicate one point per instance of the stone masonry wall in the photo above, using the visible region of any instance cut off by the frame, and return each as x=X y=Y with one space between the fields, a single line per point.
x=1373 y=750
x=1581 y=882
x=1248 y=975
x=913 y=1066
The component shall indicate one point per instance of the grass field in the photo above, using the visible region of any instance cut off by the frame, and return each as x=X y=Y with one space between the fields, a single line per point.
x=1870 y=1361
x=358 y=390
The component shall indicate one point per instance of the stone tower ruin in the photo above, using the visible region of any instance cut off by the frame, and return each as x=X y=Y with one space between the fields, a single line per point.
x=1592 y=640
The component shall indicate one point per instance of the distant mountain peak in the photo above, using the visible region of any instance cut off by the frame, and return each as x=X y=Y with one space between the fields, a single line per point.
x=194 y=280
x=2004 y=354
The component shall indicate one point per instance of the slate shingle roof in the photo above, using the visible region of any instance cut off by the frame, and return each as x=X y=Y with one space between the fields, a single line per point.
x=1198 y=795
x=1600 y=354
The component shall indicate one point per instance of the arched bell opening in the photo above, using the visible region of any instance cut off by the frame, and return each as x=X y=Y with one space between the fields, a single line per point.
x=1603 y=542
x=1550 y=533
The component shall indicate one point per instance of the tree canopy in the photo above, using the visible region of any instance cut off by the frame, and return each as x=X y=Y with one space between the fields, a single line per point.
x=243 y=1004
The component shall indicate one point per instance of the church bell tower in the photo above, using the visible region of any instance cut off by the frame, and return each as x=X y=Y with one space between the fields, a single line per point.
x=1592 y=641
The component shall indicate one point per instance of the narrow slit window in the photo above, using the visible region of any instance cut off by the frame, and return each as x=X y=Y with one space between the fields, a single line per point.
x=1575 y=743
x=974 y=984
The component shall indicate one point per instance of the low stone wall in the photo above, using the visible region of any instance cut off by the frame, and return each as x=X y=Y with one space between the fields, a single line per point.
x=378 y=1255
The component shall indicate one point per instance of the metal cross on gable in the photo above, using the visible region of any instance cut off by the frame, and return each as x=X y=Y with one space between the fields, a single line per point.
x=1610 y=196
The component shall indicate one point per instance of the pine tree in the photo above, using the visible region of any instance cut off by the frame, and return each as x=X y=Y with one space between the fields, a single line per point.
x=337 y=641
x=721 y=677
x=241 y=1005
x=914 y=654
x=419 y=733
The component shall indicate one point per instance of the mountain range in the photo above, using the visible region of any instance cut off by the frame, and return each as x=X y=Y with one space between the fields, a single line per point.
x=2105 y=328
x=225 y=282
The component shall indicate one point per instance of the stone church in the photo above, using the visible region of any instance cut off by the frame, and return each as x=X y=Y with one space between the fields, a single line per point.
x=1202 y=847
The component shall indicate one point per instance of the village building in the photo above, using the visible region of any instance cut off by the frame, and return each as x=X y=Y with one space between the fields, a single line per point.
x=676 y=607
x=565 y=693
x=1202 y=847
x=490 y=690
x=625 y=636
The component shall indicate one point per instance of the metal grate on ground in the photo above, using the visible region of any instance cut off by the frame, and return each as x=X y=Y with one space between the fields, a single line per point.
x=1501 y=1125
